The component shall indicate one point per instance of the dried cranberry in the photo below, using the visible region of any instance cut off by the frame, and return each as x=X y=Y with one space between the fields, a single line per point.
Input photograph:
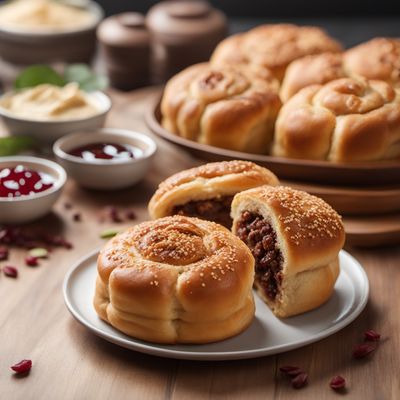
x=130 y=215
x=337 y=382
x=290 y=371
x=31 y=261
x=3 y=253
x=300 y=380
x=363 y=350
x=22 y=367
x=77 y=217
x=372 y=335
x=114 y=215
x=10 y=271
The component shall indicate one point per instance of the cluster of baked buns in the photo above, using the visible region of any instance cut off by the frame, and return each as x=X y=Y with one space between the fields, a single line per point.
x=291 y=91
x=185 y=278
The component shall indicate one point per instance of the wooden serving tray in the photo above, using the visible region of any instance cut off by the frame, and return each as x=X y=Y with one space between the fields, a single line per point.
x=357 y=174
x=355 y=201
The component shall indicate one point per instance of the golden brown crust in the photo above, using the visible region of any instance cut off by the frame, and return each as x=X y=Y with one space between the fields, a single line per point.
x=309 y=235
x=208 y=181
x=229 y=107
x=311 y=70
x=344 y=120
x=274 y=46
x=176 y=280
x=377 y=59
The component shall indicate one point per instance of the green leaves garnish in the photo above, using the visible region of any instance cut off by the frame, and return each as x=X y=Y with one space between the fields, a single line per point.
x=87 y=80
x=38 y=74
x=81 y=73
x=11 y=145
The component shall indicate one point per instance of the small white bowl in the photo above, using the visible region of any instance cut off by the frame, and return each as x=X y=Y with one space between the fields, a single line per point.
x=48 y=131
x=18 y=210
x=105 y=174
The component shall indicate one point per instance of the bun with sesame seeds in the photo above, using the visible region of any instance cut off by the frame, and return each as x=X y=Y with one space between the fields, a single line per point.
x=176 y=280
x=207 y=191
x=295 y=239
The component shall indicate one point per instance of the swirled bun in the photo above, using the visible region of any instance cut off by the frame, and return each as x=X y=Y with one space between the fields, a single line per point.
x=176 y=280
x=378 y=59
x=311 y=70
x=207 y=191
x=273 y=46
x=344 y=120
x=232 y=108
x=295 y=238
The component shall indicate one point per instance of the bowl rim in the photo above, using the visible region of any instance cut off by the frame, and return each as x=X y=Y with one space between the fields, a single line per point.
x=92 y=6
x=60 y=179
x=97 y=93
x=93 y=134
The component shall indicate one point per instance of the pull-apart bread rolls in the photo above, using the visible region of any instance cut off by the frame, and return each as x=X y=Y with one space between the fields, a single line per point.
x=207 y=191
x=311 y=70
x=344 y=120
x=274 y=46
x=232 y=108
x=295 y=239
x=176 y=280
x=377 y=59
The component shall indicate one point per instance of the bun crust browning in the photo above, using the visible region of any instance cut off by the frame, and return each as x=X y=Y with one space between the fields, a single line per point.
x=377 y=59
x=309 y=235
x=344 y=120
x=212 y=180
x=274 y=46
x=176 y=280
x=232 y=108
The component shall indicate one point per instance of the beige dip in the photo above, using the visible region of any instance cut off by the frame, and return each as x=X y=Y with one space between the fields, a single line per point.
x=43 y=16
x=49 y=102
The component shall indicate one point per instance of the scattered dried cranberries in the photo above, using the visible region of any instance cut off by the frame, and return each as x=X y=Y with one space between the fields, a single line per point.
x=363 y=350
x=372 y=335
x=300 y=380
x=3 y=253
x=10 y=271
x=31 y=261
x=22 y=367
x=337 y=382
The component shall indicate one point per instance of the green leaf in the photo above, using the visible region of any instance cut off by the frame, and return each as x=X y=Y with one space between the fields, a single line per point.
x=85 y=77
x=109 y=233
x=12 y=145
x=37 y=75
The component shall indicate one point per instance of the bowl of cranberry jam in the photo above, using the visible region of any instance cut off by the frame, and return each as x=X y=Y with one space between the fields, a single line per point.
x=29 y=186
x=19 y=180
x=105 y=151
x=105 y=159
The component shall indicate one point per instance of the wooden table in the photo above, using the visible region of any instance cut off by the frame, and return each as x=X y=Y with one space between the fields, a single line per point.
x=69 y=362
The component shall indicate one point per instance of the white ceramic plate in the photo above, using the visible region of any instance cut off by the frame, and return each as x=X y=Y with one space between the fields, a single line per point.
x=266 y=335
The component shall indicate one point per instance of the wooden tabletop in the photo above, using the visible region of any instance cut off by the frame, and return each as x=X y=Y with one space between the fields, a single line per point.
x=69 y=362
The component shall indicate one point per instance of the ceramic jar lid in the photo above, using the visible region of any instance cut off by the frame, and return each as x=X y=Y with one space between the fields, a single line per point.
x=180 y=21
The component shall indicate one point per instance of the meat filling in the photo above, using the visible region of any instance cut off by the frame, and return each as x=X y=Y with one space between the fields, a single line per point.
x=259 y=236
x=217 y=210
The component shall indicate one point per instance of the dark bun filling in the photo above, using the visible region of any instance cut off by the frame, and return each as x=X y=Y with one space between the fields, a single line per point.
x=217 y=209
x=259 y=236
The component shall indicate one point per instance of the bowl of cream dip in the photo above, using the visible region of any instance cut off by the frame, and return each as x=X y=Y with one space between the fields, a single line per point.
x=43 y=31
x=47 y=112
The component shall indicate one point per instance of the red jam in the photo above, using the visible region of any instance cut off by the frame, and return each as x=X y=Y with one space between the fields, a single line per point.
x=104 y=151
x=21 y=181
